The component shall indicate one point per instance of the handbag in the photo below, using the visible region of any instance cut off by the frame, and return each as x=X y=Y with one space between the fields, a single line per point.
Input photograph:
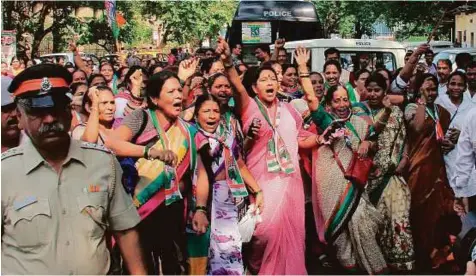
x=358 y=170
x=247 y=224
x=130 y=176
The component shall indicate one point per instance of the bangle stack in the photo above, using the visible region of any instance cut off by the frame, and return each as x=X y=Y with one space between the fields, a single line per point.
x=202 y=209
x=227 y=66
x=304 y=75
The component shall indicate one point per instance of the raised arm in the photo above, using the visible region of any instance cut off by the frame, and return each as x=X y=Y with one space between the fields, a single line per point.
x=401 y=81
x=408 y=69
x=91 y=133
x=302 y=56
x=278 y=44
x=242 y=99
x=186 y=69
x=78 y=60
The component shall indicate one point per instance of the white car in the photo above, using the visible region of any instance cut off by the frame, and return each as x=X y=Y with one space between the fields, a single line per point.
x=451 y=55
x=68 y=57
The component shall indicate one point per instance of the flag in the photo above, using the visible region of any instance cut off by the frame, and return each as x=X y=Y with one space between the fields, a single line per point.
x=121 y=21
x=111 y=17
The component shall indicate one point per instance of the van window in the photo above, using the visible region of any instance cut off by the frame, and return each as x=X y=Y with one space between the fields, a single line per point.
x=351 y=60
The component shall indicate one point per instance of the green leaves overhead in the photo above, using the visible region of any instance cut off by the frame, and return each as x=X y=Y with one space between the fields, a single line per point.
x=407 y=18
x=190 y=21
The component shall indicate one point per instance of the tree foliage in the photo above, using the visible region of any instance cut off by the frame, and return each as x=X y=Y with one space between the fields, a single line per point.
x=57 y=17
x=189 y=21
x=407 y=18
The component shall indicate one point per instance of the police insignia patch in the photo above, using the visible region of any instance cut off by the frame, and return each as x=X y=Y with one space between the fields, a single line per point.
x=45 y=85
x=12 y=152
x=87 y=145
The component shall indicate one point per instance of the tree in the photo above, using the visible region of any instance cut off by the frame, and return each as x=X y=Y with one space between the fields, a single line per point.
x=57 y=17
x=189 y=21
x=30 y=17
x=349 y=18
x=408 y=18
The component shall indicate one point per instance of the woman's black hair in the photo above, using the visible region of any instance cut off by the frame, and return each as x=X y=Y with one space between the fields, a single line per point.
x=127 y=78
x=316 y=73
x=87 y=100
x=202 y=99
x=360 y=72
x=93 y=76
x=79 y=70
x=104 y=63
x=269 y=63
x=13 y=58
x=155 y=85
x=153 y=67
x=461 y=74
x=261 y=69
x=67 y=65
x=421 y=79
x=211 y=80
x=286 y=66
x=330 y=93
x=331 y=62
x=207 y=63
x=389 y=74
x=76 y=85
x=377 y=78
x=248 y=79
x=119 y=72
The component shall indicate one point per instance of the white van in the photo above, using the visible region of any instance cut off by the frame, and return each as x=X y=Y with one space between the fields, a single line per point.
x=381 y=52
x=436 y=46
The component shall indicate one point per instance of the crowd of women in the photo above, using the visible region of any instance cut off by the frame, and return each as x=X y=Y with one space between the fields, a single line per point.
x=203 y=140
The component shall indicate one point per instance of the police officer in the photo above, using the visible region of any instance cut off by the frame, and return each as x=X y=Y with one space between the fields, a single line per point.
x=10 y=131
x=59 y=196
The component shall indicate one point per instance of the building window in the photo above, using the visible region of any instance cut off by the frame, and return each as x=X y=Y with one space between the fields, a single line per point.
x=460 y=34
x=464 y=36
x=472 y=39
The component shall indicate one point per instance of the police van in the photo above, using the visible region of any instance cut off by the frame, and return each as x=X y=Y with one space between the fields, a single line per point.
x=380 y=53
x=262 y=22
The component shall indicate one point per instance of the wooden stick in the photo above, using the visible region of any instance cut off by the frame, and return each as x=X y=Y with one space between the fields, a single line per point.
x=430 y=37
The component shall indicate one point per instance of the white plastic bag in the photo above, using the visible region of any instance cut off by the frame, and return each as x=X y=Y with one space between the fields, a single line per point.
x=247 y=224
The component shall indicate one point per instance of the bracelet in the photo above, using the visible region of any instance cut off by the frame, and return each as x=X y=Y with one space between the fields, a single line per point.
x=317 y=140
x=182 y=82
x=258 y=192
x=303 y=77
x=199 y=208
x=227 y=66
x=146 y=152
x=382 y=123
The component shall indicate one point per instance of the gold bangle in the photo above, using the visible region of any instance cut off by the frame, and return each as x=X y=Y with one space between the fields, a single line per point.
x=201 y=210
x=382 y=123
x=257 y=192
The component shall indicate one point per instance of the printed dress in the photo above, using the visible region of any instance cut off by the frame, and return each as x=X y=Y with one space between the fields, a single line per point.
x=227 y=198
x=389 y=192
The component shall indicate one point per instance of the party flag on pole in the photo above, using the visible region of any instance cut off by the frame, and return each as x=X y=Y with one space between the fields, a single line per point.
x=111 y=17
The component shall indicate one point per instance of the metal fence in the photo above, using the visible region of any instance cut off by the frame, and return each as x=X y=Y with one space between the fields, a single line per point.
x=46 y=47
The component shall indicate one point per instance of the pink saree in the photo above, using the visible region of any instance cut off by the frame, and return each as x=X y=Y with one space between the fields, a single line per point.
x=278 y=243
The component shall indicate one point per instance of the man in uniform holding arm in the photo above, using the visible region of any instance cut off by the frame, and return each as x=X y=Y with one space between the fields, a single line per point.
x=59 y=196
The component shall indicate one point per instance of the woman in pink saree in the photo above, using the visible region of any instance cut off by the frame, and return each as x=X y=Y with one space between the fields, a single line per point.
x=278 y=243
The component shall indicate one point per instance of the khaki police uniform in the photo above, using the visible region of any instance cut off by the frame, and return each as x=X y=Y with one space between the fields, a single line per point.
x=55 y=224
